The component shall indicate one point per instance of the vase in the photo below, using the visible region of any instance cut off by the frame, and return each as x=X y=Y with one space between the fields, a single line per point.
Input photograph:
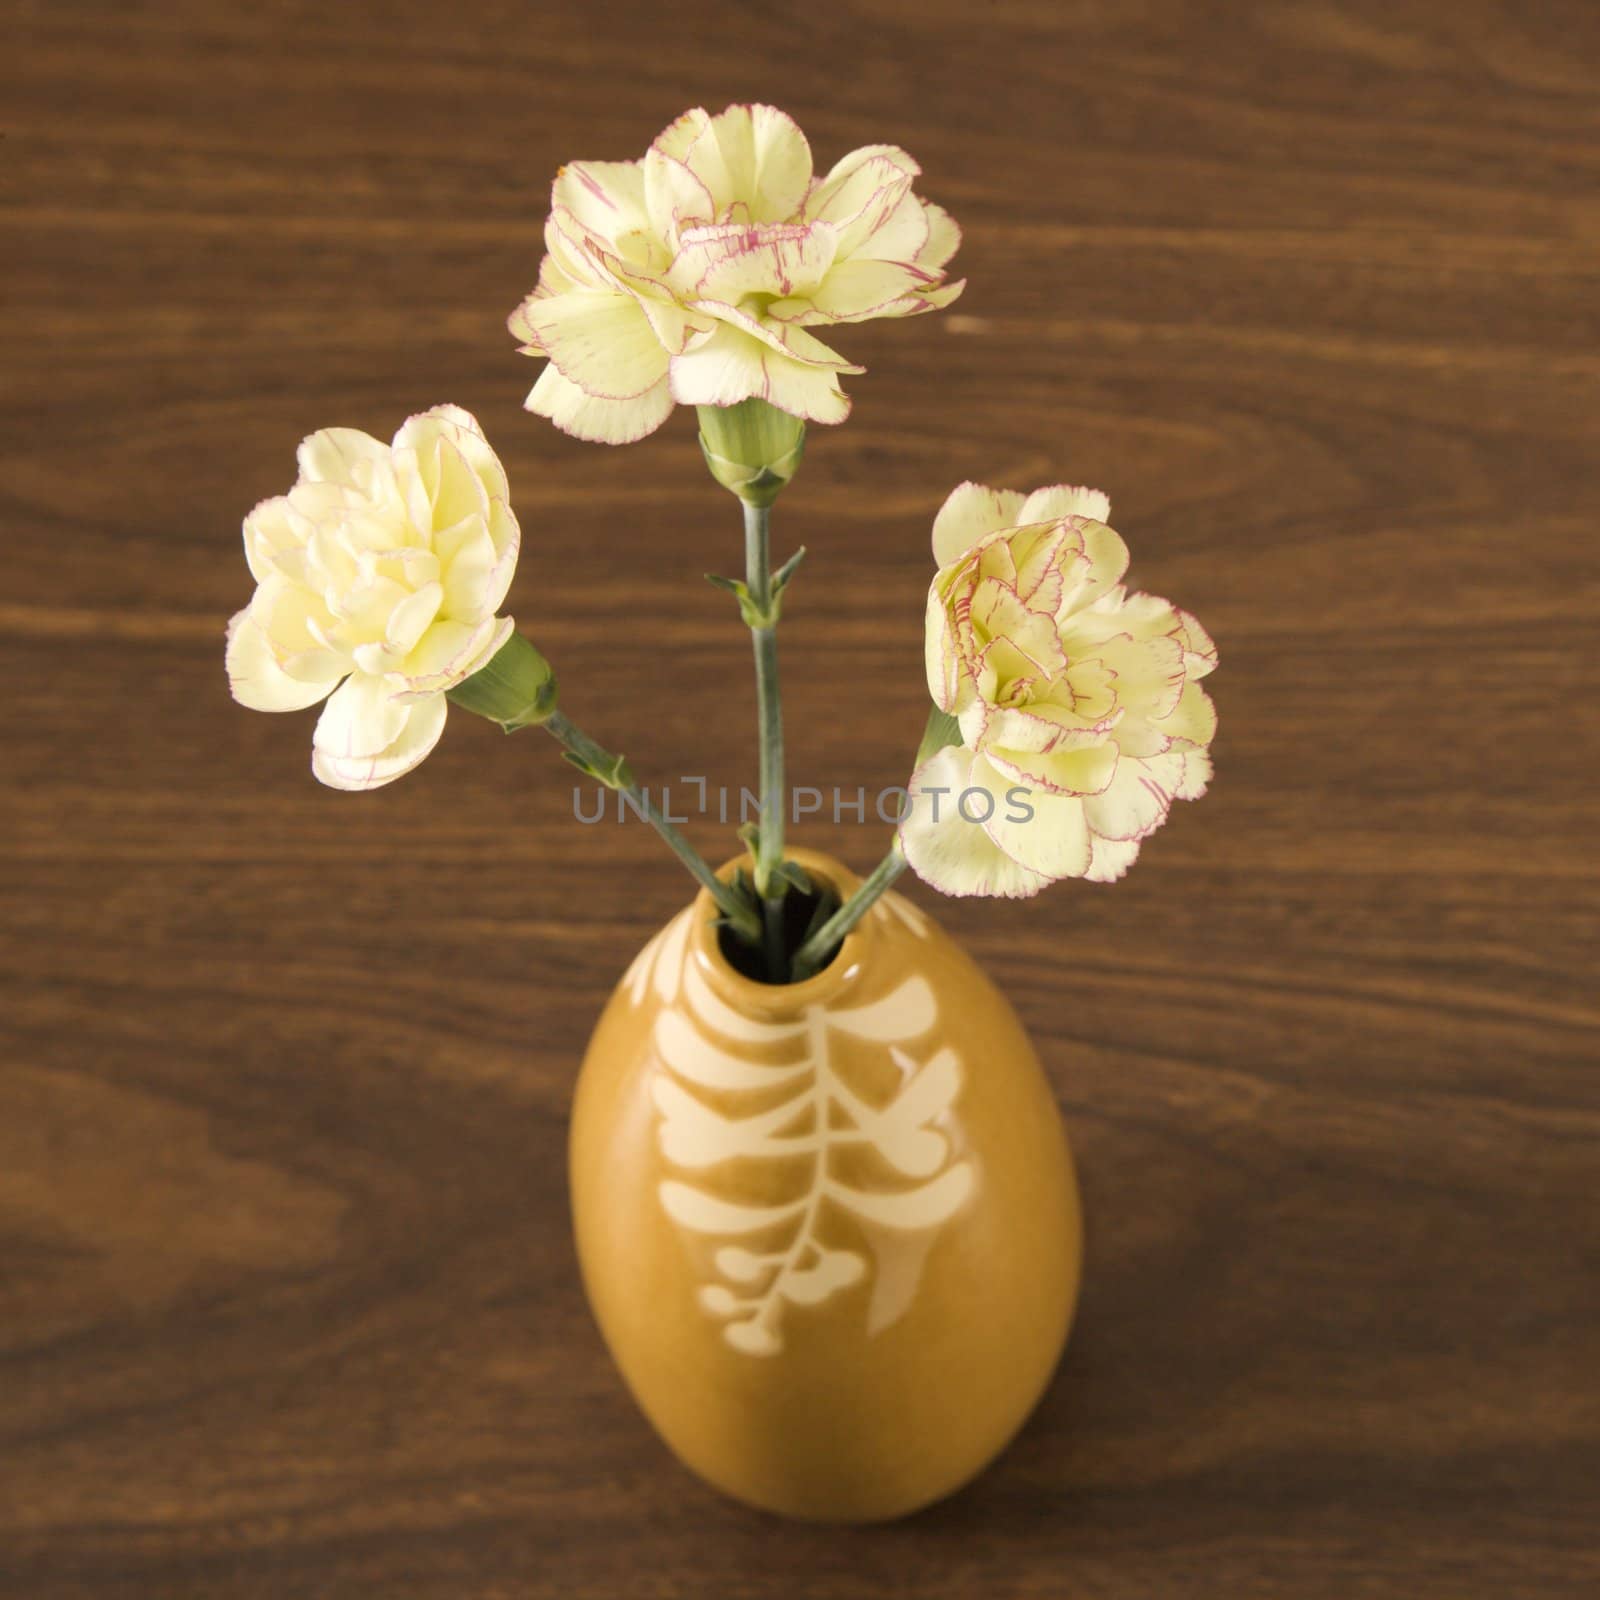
x=830 y=1230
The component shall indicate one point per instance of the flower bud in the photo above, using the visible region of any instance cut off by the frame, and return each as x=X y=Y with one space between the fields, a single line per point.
x=517 y=688
x=752 y=448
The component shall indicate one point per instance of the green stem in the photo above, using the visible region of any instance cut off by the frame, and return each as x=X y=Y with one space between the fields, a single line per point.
x=769 y=710
x=940 y=730
x=811 y=955
x=613 y=771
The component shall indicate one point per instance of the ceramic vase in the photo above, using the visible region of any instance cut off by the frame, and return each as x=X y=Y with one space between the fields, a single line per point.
x=830 y=1230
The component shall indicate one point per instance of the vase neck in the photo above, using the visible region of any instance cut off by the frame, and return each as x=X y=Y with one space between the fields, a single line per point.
x=781 y=1001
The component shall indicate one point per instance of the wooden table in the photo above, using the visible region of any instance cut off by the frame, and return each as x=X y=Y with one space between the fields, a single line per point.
x=288 y=1306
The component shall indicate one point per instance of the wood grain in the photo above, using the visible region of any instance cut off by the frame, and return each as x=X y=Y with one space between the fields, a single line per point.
x=288 y=1305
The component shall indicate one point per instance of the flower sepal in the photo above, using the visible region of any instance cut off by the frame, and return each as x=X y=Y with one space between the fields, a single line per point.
x=941 y=732
x=517 y=688
x=752 y=448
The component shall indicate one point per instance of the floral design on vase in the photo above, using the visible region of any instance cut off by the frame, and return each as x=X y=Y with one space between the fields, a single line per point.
x=802 y=1108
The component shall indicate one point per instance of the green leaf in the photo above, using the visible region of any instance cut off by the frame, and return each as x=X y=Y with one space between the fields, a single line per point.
x=753 y=615
x=827 y=903
x=781 y=577
x=614 y=774
x=794 y=874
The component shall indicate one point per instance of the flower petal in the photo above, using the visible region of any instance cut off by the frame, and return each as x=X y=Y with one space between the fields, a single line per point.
x=1195 y=777
x=731 y=261
x=340 y=455
x=676 y=196
x=1199 y=651
x=447 y=653
x=674 y=325
x=605 y=198
x=1081 y=773
x=1022 y=643
x=941 y=653
x=1148 y=672
x=732 y=366
x=1046 y=833
x=411 y=619
x=470 y=569
x=856 y=291
x=936 y=299
x=1194 y=721
x=1064 y=500
x=862 y=192
x=866 y=207
x=1044 y=728
x=944 y=237
x=1137 y=800
x=361 y=718
x=766 y=161
x=600 y=421
x=784 y=338
x=419 y=733
x=295 y=624
x=465 y=432
x=1110 y=859
x=506 y=537
x=441 y=490
x=519 y=325
x=255 y=678
x=1095 y=573
x=969 y=513
x=272 y=530
x=601 y=341
x=1138 y=803
x=955 y=856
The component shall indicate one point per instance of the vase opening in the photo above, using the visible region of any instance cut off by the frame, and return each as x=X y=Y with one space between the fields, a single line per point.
x=803 y=910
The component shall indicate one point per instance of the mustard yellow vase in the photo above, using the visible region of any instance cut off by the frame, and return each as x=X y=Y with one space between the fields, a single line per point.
x=830 y=1230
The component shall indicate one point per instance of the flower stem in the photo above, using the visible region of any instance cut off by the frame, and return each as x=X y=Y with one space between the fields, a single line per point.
x=810 y=956
x=611 y=770
x=769 y=703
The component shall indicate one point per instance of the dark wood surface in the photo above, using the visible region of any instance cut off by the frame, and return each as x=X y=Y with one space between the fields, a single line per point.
x=288 y=1305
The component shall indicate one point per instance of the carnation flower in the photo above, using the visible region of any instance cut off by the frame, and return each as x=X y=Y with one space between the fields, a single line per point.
x=1080 y=711
x=379 y=575
x=691 y=276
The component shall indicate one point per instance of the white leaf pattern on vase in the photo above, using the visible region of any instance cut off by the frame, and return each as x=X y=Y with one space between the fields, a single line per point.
x=816 y=1114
